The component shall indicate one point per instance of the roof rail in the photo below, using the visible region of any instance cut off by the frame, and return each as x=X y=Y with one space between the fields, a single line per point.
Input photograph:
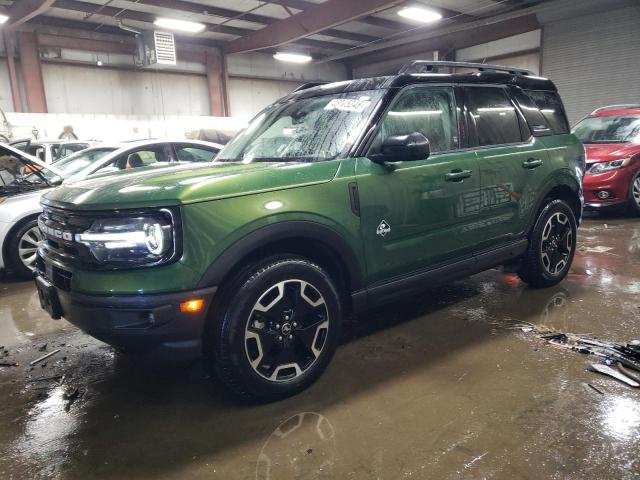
x=432 y=66
x=624 y=106
x=309 y=85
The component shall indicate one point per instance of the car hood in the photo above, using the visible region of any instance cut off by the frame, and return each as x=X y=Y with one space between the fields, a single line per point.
x=604 y=152
x=167 y=186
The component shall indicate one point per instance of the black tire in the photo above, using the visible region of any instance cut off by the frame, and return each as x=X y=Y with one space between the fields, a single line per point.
x=18 y=236
x=552 y=246
x=248 y=345
x=634 y=195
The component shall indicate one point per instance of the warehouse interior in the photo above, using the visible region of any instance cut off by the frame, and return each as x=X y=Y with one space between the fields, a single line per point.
x=477 y=376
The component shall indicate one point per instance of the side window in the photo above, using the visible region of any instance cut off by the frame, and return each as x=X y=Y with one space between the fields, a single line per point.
x=428 y=110
x=551 y=107
x=186 y=153
x=494 y=115
x=137 y=158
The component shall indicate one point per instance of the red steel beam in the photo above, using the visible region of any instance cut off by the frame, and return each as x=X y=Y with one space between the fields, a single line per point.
x=314 y=19
x=216 y=84
x=32 y=72
x=24 y=10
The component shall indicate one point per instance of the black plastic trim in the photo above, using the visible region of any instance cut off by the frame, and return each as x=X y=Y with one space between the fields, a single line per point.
x=286 y=230
x=354 y=197
x=474 y=263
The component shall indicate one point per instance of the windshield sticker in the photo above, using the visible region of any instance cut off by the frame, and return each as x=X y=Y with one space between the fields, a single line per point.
x=356 y=105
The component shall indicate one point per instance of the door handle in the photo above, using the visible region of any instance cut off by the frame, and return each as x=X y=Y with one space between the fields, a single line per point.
x=531 y=163
x=458 y=175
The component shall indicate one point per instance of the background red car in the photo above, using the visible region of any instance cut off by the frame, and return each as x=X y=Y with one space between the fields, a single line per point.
x=611 y=137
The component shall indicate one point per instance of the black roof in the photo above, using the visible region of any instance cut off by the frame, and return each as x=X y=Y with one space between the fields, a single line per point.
x=485 y=74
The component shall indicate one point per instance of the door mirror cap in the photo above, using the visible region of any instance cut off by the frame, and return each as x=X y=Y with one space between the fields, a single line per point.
x=403 y=148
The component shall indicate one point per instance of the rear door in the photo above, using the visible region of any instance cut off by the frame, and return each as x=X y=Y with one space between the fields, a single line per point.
x=513 y=164
x=417 y=214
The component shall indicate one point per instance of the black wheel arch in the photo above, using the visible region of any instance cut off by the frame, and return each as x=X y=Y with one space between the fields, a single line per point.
x=565 y=188
x=312 y=240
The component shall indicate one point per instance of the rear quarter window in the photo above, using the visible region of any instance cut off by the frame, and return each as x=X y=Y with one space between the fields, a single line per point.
x=552 y=109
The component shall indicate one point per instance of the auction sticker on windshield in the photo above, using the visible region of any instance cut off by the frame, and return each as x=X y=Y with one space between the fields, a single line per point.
x=349 y=104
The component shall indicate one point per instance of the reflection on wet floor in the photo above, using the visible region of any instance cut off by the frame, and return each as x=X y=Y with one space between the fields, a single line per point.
x=431 y=387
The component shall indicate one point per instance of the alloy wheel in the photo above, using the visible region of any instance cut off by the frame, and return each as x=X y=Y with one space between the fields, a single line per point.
x=28 y=246
x=557 y=243
x=635 y=190
x=286 y=330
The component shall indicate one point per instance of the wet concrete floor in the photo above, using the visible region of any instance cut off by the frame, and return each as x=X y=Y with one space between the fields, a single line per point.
x=438 y=387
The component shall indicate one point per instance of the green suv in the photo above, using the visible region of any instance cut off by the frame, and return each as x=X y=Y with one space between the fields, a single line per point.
x=334 y=200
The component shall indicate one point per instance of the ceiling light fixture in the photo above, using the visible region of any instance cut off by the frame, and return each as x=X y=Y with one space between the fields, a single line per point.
x=420 y=14
x=292 y=57
x=3 y=18
x=181 y=25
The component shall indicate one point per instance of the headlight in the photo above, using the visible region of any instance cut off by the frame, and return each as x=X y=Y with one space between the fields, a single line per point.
x=602 y=167
x=129 y=241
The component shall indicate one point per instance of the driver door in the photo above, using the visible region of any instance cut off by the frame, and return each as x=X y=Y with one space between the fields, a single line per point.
x=417 y=214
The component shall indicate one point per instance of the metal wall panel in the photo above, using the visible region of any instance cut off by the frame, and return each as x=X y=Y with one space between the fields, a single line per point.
x=594 y=59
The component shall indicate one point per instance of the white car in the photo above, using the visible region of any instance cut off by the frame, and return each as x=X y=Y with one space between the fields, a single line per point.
x=24 y=179
x=135 y=154
x=50 y=151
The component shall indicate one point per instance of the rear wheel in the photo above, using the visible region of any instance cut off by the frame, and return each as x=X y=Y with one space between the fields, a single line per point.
x=23 y=247
x=277 y=330
x=552 y=246
x=634 y=194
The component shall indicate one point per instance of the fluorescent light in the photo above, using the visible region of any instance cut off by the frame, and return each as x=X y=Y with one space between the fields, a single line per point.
x=3 y=18
x=181 y=25
x=420 y=14
x=292 y=57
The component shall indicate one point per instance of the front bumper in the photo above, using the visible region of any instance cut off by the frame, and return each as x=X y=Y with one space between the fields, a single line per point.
x=139 y=322
x=615 y=182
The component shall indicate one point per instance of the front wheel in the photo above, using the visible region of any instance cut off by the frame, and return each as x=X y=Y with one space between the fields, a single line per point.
x=277 y=328
x=634 y=195
x=23 y=247
x=552 y=246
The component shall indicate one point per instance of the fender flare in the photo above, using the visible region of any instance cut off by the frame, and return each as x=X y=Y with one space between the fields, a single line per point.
x=567 y=181
x=285 y=230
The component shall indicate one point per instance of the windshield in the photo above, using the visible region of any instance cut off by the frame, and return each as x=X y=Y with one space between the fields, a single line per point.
x=610 y=129
x=79 y=161
x=21 y=175
x=308 y=130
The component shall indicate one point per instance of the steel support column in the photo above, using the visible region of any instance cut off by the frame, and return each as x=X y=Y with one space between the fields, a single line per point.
x=31 y=69
x=216 y=83
x=9 y=46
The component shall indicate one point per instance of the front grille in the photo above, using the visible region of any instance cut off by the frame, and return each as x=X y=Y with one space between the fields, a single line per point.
x=59 y=277
x=59 y=228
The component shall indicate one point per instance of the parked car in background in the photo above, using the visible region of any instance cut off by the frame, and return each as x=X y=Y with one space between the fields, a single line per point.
x=611 y=136
x=335 y=198
x=50 y=151
x=136 y=154
x=23 y=180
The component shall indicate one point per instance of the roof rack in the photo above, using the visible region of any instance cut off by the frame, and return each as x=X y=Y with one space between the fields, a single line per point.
x=309 y=85
x=432 y=66
x=624 y=106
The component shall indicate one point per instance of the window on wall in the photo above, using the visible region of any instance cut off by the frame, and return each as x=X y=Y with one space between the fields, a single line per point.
x=427 y=110
x=494 y=115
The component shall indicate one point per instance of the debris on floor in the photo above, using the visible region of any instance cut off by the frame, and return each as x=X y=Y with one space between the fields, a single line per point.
x=44 y=357
x=618 y=361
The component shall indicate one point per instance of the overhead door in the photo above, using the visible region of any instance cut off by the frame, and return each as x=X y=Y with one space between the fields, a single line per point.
x=594 y=59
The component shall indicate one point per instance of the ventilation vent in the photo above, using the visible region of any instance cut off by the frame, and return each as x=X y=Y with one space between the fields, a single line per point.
x=165 y=48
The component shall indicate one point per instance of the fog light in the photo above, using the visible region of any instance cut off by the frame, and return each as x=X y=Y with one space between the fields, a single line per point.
x=192 y=306
x=603 y=194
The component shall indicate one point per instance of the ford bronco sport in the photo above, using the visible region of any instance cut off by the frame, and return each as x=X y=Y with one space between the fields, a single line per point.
x=335 y=199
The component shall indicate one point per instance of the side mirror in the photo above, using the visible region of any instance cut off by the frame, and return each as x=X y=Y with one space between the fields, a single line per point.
x=403 y=148
x=56 y=181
